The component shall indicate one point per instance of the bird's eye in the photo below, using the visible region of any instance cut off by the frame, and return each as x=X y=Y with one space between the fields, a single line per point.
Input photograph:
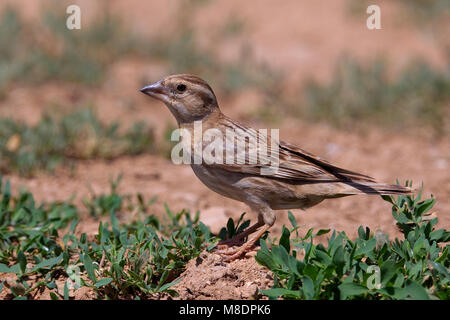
x=181 y=87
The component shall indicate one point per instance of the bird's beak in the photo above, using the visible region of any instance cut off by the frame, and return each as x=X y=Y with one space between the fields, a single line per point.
x=157 y=91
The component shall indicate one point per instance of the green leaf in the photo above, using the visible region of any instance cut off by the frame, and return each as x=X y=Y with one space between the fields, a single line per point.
x=66 y=291
x=401 y=217
x=323 y=257
x=441 y=269
x=22 y=261
x=361 y=233
x=277 y=292
x=51 y=284
x=311 y=271
x=89 y=266
x=437 y=234
x=295 y=266
x=387 y=198
x=424 y=206
x=48 y=263
x=415 y=291
x=421 y=247
x=339 y=260
x=351 y=289
x=388 y=269
x=284 y=239
x=103 y=282
x=264 y=257
x=53 y=296
x=444 y=255
x=322 y=231
x=292 y=219
x=15 y=268
x=308 y=233
x=365 y=247
x=168 y=285
x=230 y=227
x=4 y=268
x=308 y=288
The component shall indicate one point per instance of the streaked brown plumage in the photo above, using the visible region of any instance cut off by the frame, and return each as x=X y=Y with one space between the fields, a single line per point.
x=301 y=181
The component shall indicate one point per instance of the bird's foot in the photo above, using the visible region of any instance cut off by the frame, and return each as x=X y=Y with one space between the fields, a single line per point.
x=228 y=243
x=233 y=253
x=231 y=246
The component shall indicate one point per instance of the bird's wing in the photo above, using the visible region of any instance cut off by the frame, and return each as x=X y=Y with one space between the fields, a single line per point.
x=297 y=159
x=293 y=163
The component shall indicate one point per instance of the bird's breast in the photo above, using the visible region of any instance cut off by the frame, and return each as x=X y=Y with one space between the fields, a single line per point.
x=219 y=181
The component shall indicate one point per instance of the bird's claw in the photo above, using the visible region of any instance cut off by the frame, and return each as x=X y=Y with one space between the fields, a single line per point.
x=232 y=253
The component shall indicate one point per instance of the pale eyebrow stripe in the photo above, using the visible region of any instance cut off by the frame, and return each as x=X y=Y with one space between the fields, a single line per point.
x=204 y=90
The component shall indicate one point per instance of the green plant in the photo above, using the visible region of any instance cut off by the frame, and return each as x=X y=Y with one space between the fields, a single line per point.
x=368 y=267
x=233 y=229
x=418 y=96
x=81 y=56
x=40 y=246
x=182 y=51
x=417 y=12
x=139 y=259
x=85 y=56
x=78 y=135
x=103 y=204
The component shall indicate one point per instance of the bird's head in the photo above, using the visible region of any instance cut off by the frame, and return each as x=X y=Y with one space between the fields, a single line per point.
x=188 y=97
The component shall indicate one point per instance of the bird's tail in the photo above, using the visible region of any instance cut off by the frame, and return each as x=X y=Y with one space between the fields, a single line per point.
x=379 y=188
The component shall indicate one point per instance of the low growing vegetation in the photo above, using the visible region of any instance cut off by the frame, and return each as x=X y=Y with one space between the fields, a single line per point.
x=41 y=51
x=41 y=251
x=56 y=140
x=368 y=267
x=85 y=56
x=418 y=13
x=418 y=96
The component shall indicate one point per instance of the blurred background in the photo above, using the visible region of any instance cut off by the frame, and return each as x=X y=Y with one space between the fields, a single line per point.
x=375 y=101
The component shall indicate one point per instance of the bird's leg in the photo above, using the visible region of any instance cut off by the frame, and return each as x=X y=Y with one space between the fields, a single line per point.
x=248 y=245
x=268 y=219
x=236 y=240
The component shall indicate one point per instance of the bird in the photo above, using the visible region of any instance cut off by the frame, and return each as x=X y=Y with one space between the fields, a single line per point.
x=299 y=180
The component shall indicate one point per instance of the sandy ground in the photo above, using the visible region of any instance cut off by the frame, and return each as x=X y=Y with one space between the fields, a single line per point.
x=303 y=38
x=209 y=277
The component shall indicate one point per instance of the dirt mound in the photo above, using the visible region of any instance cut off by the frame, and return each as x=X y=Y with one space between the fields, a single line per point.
x=210 y=277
